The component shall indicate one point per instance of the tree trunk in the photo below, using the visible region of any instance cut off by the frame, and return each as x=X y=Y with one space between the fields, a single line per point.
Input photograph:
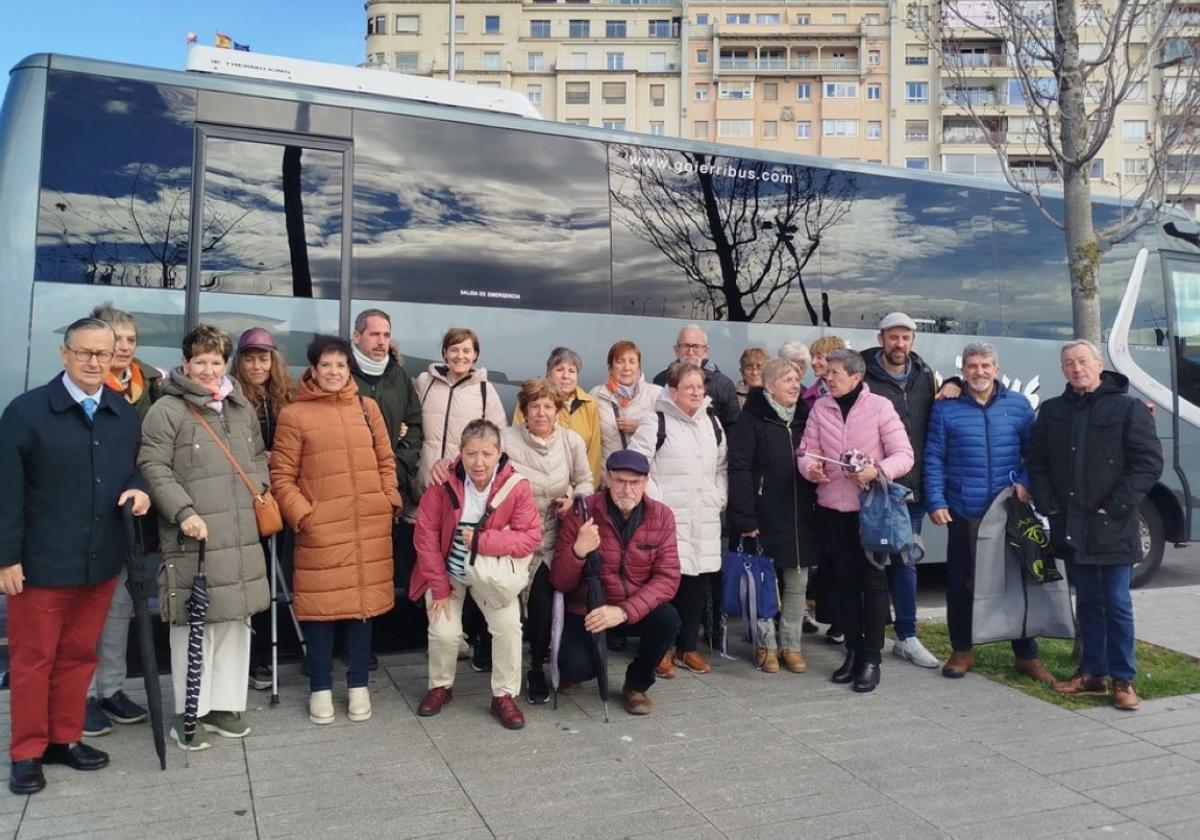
x=734 y=309
x=293 y=214
x=1083 y=247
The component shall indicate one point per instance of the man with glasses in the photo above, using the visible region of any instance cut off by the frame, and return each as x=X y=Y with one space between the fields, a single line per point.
x=67 y=465
x=692 y=346
x=628 y=541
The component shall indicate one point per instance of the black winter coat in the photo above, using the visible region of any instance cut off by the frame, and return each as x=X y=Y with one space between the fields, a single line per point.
x=60 y=478
x=766 y=491
x=720 y=388
x=913 y=402
x=397 y=398
x=1091 y=452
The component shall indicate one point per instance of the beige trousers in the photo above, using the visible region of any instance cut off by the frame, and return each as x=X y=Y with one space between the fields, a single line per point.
x=226 y=661
x=505 y=626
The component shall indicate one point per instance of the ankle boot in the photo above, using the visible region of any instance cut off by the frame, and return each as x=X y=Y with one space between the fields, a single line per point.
x=360 y=704
x=320 y=707
x=845 y=673
x=866 y=677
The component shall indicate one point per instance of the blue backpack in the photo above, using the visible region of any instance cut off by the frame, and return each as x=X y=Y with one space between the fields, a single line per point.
x=884 y=524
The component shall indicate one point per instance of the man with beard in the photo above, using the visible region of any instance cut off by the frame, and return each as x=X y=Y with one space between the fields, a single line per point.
x=976 y=448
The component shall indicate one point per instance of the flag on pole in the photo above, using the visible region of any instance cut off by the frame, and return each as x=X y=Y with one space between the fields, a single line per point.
x=242 y=47
x=224 y=41
x=191 y=37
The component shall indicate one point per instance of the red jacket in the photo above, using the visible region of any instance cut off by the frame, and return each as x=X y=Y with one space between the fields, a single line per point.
x=515 y=529
x=637 y=577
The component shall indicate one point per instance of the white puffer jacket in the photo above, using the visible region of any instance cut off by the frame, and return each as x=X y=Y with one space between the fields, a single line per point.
x=447 y=409
x=554 y=469
x=688 y=475
x=642 y=404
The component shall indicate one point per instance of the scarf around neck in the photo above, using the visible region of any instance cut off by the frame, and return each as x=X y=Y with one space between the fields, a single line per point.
x=219 y=393
x=131 y=385
x=368 y=365
x=785 y=414
x=623 y=393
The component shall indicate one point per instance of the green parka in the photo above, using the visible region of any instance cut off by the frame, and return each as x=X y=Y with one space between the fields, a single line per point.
x=187 y=474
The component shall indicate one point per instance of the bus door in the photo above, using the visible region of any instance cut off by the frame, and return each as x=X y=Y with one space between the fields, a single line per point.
x=1181 y=274
x=271 y=219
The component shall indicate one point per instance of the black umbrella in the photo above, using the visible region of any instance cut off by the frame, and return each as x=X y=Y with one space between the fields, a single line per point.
x=599 y=641
x=197 y=611
x=135 y=582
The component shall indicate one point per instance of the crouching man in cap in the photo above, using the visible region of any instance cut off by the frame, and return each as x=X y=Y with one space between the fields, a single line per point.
x=631 y=540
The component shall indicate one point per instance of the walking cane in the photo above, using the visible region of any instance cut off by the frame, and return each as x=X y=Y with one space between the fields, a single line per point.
x=280 y=593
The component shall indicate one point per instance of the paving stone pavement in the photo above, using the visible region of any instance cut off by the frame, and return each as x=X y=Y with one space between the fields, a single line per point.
x=734 y=754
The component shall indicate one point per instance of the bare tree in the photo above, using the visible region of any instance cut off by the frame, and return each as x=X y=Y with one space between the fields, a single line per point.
x=742 y=232
x=1137 y=50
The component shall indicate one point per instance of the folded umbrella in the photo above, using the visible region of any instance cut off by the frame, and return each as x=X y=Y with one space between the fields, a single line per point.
x=197 y=612
x=599 y=640
x=135 y=582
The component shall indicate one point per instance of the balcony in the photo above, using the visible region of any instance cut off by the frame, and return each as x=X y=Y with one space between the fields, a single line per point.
x=972 y=98
x=973 y=134
x=796 y=65
x=916 y=136
x=1035 y=174
x=968 y=61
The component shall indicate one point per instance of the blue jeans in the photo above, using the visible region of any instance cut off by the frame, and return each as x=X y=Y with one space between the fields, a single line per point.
x=1105 y=612
x=902 y=583
x=318 y=636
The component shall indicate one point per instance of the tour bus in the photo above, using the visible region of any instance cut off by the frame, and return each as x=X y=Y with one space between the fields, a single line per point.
x=258 y=191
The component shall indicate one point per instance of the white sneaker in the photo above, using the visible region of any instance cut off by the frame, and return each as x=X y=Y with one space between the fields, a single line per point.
x=360 y=704
x=320 y=707
x=915 y=652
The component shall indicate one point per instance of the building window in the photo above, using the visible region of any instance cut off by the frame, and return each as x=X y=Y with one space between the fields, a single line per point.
x=702 y=93
x=660 y=29
x=1134 y=131
x=874 y=130
x=916 y=54
x=614 y=29
x=488 y=84
x=839 y=128
x=377 y=25
x=578 y=93
x=702 y=56
x=841 y=90
x=614 y=61
x=614 y=125
x=539 y=29
x=735 y=128
x=921 y=163
x=916 y=91
x=737 y=19
x=767 y=19
x=658 y=62
x=380 y=58
x=770 y=91
x=804 y=130
x=491 y=61
x=700 y=129
x=1097 y=171
x=873 y=58
x=491 y=24
x=871 y=20
x=579 y=29
x=702 y=20
x=735 y=90
x=613 y=93
x=1138 y=92
x=804 y=91
x=916 y=131
x=658 y=96
x=839 y=19
x=407 y=62
x=803 y=20
x=460 y=24
x=460 y=61
x=534 y=92
x=537 y=61
x=874 y=93
x=657 y=128
x=578 y=61
x=770 y=130
x=1137 y=167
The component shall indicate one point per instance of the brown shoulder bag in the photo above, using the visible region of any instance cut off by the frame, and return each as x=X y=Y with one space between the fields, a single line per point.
x=266 y=510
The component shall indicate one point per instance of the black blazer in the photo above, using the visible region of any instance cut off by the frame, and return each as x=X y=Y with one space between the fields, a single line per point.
x=60 y=477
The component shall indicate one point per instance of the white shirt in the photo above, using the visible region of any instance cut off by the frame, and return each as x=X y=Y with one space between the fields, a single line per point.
x=476 y=500
x=77 y=393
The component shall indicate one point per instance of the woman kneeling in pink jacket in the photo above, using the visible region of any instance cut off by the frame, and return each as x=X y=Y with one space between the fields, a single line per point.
x=851 y=419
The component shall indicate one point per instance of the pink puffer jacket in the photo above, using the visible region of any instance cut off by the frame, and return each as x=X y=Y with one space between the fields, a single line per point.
x=872 y=427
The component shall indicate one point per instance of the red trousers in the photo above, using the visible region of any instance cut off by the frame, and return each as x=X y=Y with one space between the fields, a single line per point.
x=52 y=636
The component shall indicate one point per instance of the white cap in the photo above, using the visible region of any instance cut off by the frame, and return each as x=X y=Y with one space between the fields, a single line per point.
x=897 y=319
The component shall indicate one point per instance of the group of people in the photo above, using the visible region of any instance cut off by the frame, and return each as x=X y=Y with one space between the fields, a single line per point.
x=620 y=501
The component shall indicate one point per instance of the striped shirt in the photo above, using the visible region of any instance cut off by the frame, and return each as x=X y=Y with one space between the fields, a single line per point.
x=456 y=563
x=473 y=505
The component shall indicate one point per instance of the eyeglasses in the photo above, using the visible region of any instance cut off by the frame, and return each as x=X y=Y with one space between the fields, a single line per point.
x=101 y=356
x=691 y=347
x=626 y=483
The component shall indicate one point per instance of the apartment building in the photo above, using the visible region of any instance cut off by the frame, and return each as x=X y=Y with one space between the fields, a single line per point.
x=849 y=79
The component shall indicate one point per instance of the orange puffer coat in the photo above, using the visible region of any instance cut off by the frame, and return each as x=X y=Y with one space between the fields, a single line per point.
x=334 y=475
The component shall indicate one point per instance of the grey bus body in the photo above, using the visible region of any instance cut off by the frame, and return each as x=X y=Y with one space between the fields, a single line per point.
x=186 y=197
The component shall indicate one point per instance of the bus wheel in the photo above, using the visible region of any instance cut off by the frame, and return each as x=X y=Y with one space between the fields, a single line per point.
x=1153 y=543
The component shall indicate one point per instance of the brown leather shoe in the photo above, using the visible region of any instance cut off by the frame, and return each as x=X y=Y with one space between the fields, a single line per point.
x=637 y=702
x=958 y=664
x=505 y=709
x=1123 y=696
x=793 y=661
x=1081 y=684
x=1035 y=670
x=768 y=660
x=433 y=701
x=694 y=662
x=665 y=667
